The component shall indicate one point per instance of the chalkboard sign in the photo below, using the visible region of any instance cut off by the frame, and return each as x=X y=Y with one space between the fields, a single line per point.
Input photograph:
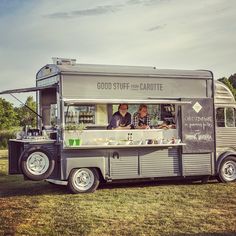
x=198 y=126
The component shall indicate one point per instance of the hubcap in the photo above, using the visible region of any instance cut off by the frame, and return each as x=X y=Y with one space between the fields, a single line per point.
x=83 y=179
x=229 y=170
x=37 y=163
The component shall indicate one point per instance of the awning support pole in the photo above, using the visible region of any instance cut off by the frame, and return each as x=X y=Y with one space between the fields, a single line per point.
x=26 y=106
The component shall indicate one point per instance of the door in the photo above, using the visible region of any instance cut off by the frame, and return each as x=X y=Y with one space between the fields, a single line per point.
x=225 y=127
x=123 y=163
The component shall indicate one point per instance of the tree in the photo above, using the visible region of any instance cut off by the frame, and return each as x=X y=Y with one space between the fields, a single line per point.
x=232 y=80
x=229 y=85
x=25 y=115
x=8 y=116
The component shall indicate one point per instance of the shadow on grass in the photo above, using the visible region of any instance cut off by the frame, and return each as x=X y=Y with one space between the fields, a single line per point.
x=30 y=188
x=150 y=183
x=16 y=186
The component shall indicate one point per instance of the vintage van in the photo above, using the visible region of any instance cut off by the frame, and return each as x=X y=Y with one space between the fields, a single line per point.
x=75 y=102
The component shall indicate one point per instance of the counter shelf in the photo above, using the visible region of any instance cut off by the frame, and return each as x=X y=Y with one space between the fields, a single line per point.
x=34 y=141
x=123 y=146
x=96 y=138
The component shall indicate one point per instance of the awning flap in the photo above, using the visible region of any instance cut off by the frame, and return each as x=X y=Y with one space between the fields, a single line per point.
x=120 y=101
x=25 y=90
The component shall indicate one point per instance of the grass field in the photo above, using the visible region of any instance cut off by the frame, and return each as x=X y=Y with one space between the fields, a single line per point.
x=153 y=208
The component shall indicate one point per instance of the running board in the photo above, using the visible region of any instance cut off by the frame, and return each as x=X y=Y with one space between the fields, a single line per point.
x=55 y=181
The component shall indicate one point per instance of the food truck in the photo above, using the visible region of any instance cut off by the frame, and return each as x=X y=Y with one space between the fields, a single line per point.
x=75 y=102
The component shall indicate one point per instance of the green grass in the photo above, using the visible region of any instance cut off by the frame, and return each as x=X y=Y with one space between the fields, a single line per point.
x=153 y=208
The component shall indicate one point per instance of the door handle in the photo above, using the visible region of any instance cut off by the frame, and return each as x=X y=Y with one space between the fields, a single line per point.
x=115 y=155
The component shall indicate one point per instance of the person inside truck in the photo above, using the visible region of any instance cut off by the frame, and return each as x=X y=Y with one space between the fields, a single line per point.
x=141 y=119
x=120 y=119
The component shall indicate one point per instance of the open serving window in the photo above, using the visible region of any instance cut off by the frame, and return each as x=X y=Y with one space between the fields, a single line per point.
x=86 y=124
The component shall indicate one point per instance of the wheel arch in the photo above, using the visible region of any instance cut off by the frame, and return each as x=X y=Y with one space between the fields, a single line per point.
x=69 y=164
x=221 y=158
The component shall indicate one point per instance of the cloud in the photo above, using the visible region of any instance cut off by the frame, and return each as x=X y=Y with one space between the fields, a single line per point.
x=158 y=27
x=146 y=2
x=99 y=10
x=133 y=2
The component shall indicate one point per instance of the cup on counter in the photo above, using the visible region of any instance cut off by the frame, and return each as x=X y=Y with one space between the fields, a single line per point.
x=165 y=141
x=149 y=141
x=77 y=142
x=177 y=141
x=160 y=141
x=71 y=142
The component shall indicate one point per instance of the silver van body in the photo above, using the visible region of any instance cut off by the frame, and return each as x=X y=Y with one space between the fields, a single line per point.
x=205 y=146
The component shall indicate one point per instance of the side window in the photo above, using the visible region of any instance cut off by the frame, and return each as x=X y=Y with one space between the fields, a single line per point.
x=225 y=117
x=230 y=117
x=220 y=117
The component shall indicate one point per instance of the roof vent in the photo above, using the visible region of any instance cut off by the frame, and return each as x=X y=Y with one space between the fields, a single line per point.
x=63 y=61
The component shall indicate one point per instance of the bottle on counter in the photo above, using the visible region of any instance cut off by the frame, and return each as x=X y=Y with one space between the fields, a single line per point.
x=130 y=137
x=173 y=140
x=44 y=133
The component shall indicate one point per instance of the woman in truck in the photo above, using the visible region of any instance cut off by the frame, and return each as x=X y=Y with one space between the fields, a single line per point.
x=141 y=119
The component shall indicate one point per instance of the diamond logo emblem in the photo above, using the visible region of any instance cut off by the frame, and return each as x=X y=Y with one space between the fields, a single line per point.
x=197 y=107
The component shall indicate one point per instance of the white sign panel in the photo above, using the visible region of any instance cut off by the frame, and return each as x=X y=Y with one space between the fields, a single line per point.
x=104 y=87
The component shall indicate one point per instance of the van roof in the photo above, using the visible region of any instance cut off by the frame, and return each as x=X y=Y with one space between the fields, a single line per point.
x=118 y=70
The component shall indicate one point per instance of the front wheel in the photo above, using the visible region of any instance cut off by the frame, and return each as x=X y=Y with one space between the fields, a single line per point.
x=227 y=171
x=83 y=180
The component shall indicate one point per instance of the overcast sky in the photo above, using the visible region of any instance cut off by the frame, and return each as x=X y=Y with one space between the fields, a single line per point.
x=178 y=34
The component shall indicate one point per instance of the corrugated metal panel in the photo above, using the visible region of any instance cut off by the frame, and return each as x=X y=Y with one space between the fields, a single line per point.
x=197 y=164
x=223 y=94
x=225 y=137
x=147 y=163
x=124 y=167
x=160 y=163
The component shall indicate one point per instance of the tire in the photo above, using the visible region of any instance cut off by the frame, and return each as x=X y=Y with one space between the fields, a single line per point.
x=227 y=171
x=83 y=180
x=37 y=163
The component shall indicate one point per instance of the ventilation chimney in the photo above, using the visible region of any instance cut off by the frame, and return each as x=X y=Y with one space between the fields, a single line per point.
x=63 y=61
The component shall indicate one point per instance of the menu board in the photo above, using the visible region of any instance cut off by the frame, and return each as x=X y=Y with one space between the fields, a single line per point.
x=198 y=126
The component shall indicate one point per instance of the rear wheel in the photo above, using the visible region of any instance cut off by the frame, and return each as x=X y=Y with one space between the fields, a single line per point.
x=37 y=163
x=227 y=171
x=83 y=180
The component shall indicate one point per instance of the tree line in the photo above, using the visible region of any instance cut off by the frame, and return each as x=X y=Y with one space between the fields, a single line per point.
x=230 y=83
x=11 y=116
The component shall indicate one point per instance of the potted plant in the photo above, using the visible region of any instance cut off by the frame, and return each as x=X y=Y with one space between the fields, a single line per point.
x=77 y=130
x=80 y=128
x=70 y=128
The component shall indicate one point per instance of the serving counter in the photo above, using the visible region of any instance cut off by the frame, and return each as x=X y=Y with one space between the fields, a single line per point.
x=123 y=146
x=121 y=138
